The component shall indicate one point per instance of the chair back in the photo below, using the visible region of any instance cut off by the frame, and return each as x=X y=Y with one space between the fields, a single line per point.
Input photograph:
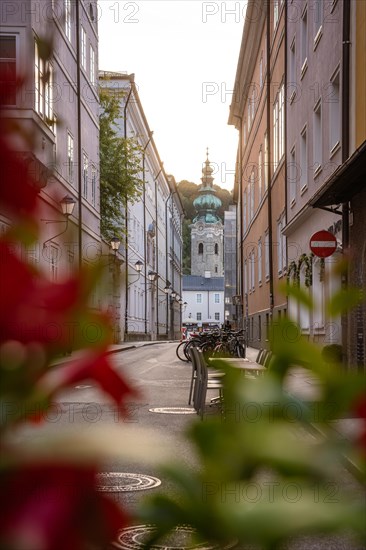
x=268 y=359
x=259 y=356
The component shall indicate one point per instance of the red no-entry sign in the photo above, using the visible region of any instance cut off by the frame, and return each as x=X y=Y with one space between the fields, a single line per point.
x=323 y=244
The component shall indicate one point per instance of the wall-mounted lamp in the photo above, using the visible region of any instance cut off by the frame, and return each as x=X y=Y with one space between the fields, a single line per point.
x=138 y=268
x=67 y=205
x=115 y=242
x=152 y=275
x=167 y=289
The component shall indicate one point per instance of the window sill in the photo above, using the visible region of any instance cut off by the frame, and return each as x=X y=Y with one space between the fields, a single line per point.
x=303 y=189
x=334 y=149
x=304 y=68
x=317 y=171
x=292 y=203
x=292 y=97
x=334 y=3
x=317 y=38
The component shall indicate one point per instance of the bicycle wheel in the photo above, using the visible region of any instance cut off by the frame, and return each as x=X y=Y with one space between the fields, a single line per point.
x=240 y=350
x=180 y=351
x=194 y=342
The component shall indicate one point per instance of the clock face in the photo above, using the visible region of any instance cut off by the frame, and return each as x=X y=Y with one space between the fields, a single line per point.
x=200 y=227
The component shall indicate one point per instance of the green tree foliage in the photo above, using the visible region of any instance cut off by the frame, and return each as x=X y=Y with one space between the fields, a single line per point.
x=120 y=168
x=186 y=255
x=188 y=192
x=259 y=482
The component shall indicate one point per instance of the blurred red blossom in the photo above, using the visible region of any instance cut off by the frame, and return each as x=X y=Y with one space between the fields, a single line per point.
x=56 y=506
x=49 y=505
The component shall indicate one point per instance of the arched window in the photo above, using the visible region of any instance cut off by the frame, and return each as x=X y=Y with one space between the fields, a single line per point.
x=216 y=248
x=200 y=248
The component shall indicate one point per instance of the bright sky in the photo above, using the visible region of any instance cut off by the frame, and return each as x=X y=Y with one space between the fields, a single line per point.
x=184 y=55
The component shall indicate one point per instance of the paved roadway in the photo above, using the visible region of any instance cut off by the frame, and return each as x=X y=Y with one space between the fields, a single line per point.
x=163 y=381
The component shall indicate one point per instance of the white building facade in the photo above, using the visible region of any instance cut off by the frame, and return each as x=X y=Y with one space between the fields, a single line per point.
x=152 y=249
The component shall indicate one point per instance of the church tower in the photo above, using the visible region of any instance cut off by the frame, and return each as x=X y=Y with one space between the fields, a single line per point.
x=207 y=230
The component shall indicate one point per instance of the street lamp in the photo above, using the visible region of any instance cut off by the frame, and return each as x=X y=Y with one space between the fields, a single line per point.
x=115 y=242
x=173 y=294
x=138 y=267
x=152 y=275
x=67 y=205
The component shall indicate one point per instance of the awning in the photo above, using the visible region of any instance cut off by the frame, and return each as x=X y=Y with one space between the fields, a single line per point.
x=348 y=180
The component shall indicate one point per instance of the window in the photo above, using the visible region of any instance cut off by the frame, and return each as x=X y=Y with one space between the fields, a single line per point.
x=216 y=248
x=252 y=266
x=92 y=65
x=333 y=99
x=217 y=316
x=8 y=69
x=260 y=161
x=303 y=160
x=199 y=298
x=70 y=157
x=266 y=255
x=281 y=245
x=43 y=87
x=278 y=127
x=83 y=48
x=275 y=12
x=259 y=261
x=265 y=161
x=252 y=195
x=53 y=254
x=217 y=298
x=245 y=210
x=68 y=19
x=85 y=175
x=199 y=316
x=245 y=277
x=261 y=72
x=318 y=17
x=93 y=184
x=317 y=137
x=292 y=71
x=275 y=134
x=216 y=269
x=304 y=40
x=200 y=248
x=292 y=175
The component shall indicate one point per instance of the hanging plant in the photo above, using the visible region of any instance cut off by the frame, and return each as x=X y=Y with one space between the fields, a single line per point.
x=322 y=270
x=293 y=273
x=294 y=270
x=308 y=261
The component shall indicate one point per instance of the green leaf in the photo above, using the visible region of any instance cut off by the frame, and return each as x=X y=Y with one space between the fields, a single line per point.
x=344 y=301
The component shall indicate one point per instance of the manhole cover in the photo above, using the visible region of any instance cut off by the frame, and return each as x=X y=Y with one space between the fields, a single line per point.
x=179 y=539
x=113 y=482
x=173 y=410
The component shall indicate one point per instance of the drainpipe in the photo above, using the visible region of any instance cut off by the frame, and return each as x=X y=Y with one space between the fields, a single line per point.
x=144 y=222
x=126 y=201
x=157 y=249
x=269 y=190
x=167 y=256
x=240 y=271
x=346 y=45
x=285 y=131
x=80 y=201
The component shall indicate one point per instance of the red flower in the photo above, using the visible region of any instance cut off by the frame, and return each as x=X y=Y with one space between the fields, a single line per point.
x=56 y=506
x=93 y=365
